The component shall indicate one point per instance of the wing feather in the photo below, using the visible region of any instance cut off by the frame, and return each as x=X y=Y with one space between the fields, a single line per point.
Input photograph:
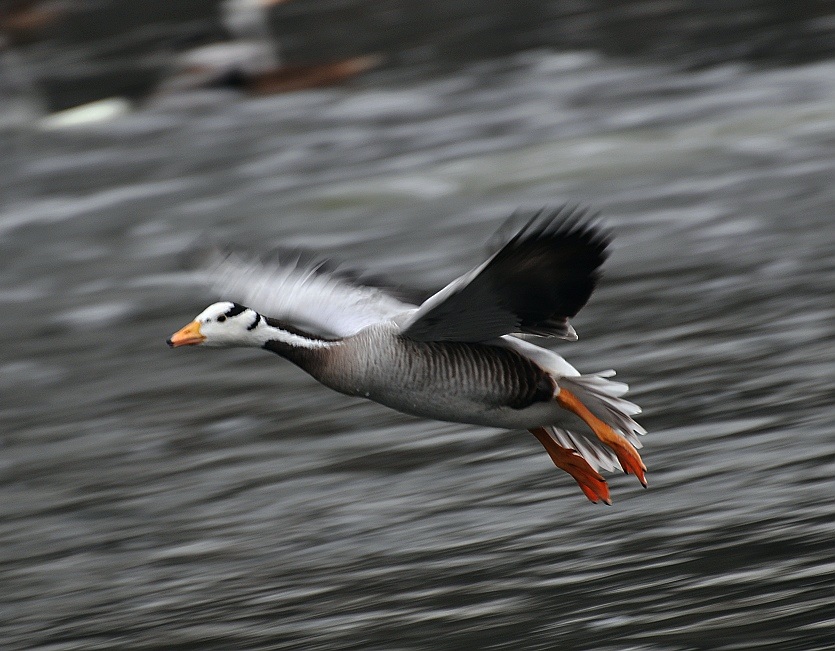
x=303 y=291
x=533 y=284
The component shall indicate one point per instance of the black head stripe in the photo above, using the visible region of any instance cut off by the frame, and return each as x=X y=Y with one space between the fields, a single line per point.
x=235 y=310
x=255 y=323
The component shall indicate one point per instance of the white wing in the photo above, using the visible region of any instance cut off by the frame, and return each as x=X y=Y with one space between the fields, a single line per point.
x=542 y=276
x=302 y=292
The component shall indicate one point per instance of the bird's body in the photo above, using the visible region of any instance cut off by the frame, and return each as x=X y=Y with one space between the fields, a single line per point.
x=455 y=357
x=479 y=383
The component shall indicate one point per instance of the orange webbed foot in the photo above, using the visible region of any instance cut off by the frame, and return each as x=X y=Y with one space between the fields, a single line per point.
x=629 y=458
x=590 y=481
x=626 y=453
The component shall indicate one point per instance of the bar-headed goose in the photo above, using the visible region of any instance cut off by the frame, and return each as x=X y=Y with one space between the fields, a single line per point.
x=457 y=357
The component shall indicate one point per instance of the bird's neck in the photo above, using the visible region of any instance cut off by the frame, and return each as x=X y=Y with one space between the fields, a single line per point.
x=300 y=347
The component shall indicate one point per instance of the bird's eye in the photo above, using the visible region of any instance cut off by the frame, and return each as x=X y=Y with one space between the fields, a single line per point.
x=221 y=318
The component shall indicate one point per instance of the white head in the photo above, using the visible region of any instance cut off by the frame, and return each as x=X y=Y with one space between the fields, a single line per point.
x=222 y=324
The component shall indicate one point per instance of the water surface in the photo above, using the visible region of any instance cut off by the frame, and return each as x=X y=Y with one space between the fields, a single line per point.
x=222 y=499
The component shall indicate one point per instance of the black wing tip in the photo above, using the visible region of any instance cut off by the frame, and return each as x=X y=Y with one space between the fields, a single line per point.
x=580 y=221
x=569 y=223
x=567 y=220
x=552 y=264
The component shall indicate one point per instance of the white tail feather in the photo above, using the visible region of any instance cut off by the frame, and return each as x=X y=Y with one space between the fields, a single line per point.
x=602 y=398
x=596 y=454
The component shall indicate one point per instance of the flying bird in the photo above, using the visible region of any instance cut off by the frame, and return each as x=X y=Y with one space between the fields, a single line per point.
x=464 y=355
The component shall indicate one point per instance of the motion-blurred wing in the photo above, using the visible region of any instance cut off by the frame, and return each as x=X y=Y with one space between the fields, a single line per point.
x=542 y=276
x=303 y=292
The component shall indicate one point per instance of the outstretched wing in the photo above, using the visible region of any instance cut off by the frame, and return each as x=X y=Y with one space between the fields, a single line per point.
x=302 y=291
x=542 y=276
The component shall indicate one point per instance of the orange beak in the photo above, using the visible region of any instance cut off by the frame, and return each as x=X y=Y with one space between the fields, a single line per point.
x=188 y=336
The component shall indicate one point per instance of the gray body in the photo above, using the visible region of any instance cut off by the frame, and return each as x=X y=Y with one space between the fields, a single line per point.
x=484 y=384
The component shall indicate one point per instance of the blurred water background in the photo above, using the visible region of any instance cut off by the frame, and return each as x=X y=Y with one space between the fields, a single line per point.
x=223 y=500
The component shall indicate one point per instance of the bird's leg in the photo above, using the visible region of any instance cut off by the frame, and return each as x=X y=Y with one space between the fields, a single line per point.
x=590 y=481
x=628 y=456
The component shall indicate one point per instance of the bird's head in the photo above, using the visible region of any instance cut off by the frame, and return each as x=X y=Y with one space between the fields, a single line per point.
x=221 y=325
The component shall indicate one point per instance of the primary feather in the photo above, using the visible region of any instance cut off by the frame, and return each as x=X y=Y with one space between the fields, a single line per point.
x=541 y=276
